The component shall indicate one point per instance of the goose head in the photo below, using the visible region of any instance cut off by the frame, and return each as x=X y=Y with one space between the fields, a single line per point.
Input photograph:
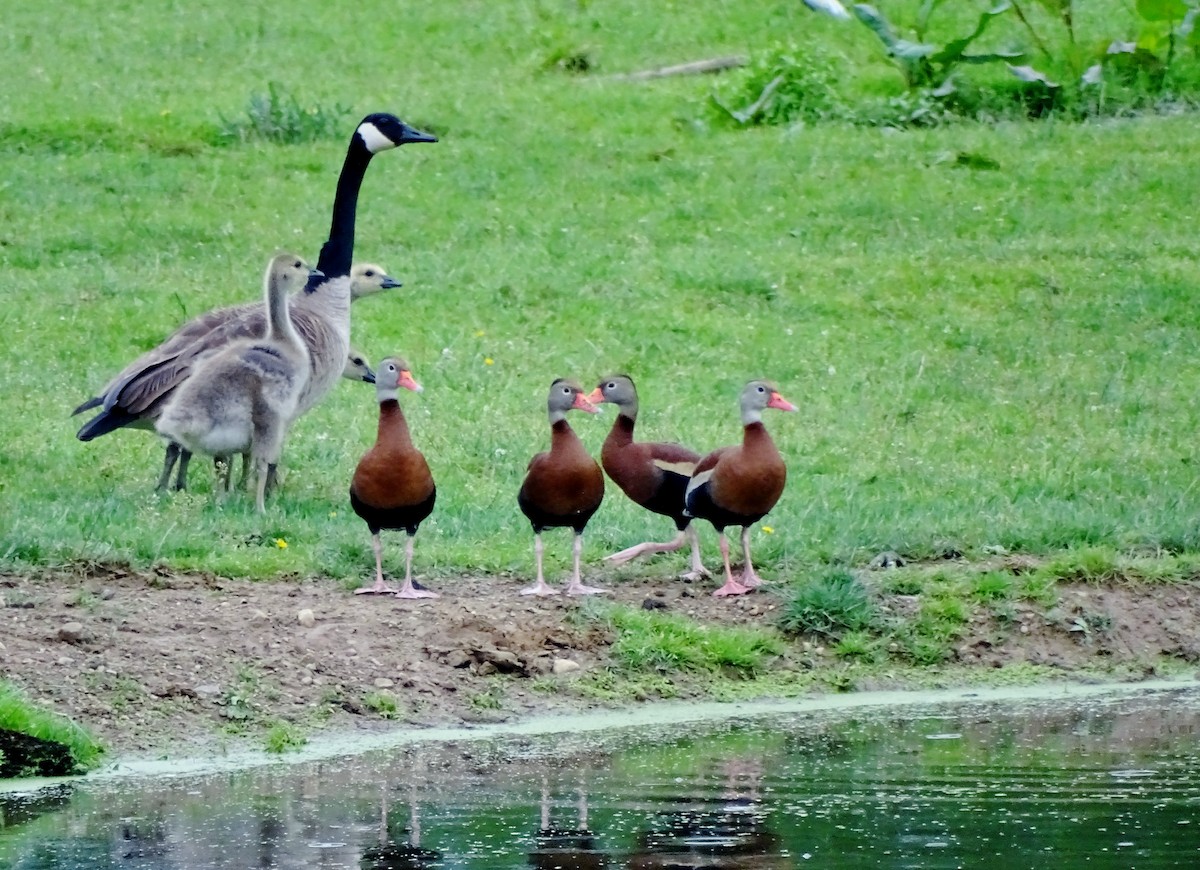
x=357 y=368
x=567 y=395
x=758 y=396
x=382 y=131
x=367 y=279
x=393 y=374
x=289 y=272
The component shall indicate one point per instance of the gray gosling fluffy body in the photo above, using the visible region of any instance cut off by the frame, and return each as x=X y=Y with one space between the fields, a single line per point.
x=210 y=331
x=244 y=397
x=357 y=369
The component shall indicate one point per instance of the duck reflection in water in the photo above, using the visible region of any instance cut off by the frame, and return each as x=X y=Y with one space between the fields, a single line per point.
x=566 y=848
x=730 y=834
x=389 y=855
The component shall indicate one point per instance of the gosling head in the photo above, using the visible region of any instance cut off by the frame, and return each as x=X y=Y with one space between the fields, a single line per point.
x=289 y=272
x=357 y=368
x=367 y=279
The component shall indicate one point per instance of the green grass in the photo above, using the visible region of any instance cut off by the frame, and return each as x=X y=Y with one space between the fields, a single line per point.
x=18 y=713
x=666 y=642
x=383 y=704
x=830 y=605
x=283 y=737
x=984 y=357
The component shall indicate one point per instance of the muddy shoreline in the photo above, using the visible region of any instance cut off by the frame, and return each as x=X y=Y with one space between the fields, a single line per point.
x=165 y=665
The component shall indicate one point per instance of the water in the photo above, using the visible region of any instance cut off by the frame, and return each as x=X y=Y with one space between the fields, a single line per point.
x=1106 y=781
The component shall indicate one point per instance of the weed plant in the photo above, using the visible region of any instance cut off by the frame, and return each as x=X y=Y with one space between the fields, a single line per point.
x=279 y=117
x=831 y=605
x=1005 y=60
x=283 y=737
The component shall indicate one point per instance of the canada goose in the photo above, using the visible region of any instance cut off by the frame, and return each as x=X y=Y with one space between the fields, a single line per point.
x=321 y=314
x=739 y=484
x=563 y=486
x=239 y=321
x=244 y=396
x=366 y=279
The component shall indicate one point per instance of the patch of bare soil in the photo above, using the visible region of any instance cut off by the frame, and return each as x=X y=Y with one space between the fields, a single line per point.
x=155 y=662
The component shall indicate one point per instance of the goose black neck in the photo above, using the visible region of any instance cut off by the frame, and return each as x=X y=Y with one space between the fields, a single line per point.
x=338 y=250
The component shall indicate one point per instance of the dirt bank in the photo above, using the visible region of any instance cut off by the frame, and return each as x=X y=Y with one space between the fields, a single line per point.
x=152 y=662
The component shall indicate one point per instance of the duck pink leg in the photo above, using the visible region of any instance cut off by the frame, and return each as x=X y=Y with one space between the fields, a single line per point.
x=408 y=590
x=731 y=587
x=576 y=586
x=631 y=553
x=698 y=571
x=540 y=587
x=750 y=579
x=380 y=588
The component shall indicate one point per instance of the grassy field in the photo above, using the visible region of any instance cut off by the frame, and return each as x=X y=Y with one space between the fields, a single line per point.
x=989 y=329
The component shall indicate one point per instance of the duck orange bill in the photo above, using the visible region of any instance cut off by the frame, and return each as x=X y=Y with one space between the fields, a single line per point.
x=596 y=396
x=780 y=403
x=582 y=404
x=406 y=381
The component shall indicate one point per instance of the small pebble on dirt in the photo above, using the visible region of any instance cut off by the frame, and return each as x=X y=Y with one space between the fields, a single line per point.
x=565 y=666
x=71 y=632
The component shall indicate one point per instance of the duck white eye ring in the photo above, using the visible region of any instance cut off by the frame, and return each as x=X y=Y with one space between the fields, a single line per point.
x=612 y=385
x=762 y=389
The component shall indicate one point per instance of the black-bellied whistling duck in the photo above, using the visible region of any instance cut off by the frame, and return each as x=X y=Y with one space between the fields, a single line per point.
x=738 y=485
x=654 y=474
x=563 y=486
x=392 y=486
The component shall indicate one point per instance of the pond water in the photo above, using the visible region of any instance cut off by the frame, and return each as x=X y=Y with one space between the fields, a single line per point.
x=1097 y=780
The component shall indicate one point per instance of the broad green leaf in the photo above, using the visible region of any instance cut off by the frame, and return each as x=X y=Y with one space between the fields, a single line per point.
x=1029 y=74
x=1187 y=28
x=879 y=25
x=923 y=14
x=908 y=50
x=1162 y=10
x=1061 y=8
x=954 y=49
x=992 y=57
